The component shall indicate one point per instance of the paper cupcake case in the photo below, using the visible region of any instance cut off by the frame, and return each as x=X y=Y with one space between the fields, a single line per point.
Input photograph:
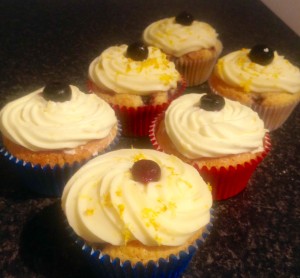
x=273 y=117
x=48 y=181
x=225 y=182
x=103 y=266
x=228 y=182
x=195 y=72
x=136 y=121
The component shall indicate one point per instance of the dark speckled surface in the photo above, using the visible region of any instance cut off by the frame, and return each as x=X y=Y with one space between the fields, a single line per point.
x=255 y=234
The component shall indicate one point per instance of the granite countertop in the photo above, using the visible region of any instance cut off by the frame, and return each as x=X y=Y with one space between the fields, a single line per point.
x=255 y=234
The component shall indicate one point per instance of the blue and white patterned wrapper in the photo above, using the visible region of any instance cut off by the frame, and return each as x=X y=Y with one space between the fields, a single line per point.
x=103 y=266
x=48 y=181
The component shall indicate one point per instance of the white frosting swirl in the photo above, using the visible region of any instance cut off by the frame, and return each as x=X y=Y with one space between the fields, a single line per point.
x=198 y=133
x=237 y=69
x=176 y=39
x=113 y=70
x=103 y=203
x=38 y=124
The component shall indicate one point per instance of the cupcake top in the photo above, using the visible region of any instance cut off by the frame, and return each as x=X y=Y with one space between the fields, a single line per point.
x=199 y=132
x=178 y=39
x=114 y=70
x=137 y=194
x=278 y=75
x=38 y=123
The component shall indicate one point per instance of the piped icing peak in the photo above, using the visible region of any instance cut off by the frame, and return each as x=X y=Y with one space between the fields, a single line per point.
x=177 y=39
x=238 y=70
x=167 y=211
x=199 y=133
x=114 y=70
x=39 y=124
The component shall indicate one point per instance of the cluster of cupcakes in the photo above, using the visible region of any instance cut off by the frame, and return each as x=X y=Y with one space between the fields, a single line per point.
x=126 y=207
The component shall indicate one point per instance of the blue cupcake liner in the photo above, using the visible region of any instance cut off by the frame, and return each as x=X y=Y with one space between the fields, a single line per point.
x=46 y=180
x=104 y=266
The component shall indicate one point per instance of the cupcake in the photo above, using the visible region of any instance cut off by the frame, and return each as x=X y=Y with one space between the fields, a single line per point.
x=138 y=81
x=50 y=132
x=261 y=79
x=223 y=139
x=155 y=209
x=191 y=44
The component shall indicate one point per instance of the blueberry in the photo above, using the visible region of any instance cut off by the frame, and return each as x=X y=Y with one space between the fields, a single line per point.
x=184 y=18
x=57 y=91
x=261 y=54
x=145 y=170
x=137 y=51
x=211 y=102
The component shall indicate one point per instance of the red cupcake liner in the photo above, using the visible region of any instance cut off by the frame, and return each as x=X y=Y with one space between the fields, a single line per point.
x=225 y=182
x=135 y=121
x=228 y=182
x=152 y=131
